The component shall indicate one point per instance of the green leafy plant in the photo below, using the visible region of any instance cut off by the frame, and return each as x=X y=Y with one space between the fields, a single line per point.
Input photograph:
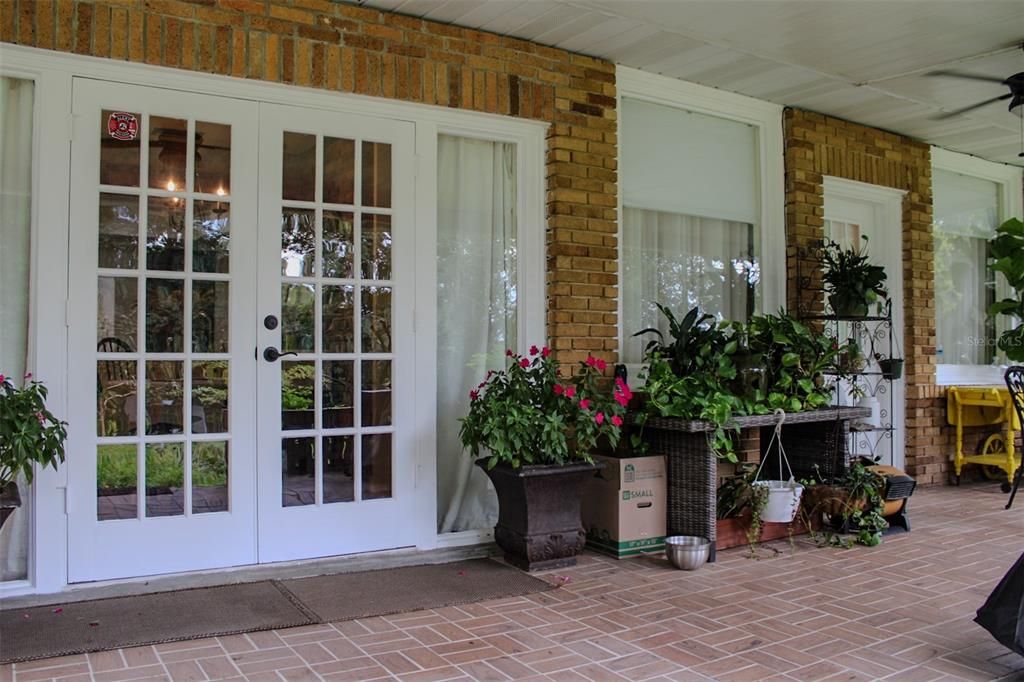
x=851 y=282
x=1007 y=248
x=29 y=433
x=853 y=503
x=697 y=343
x=527 y=414
x=737 y=497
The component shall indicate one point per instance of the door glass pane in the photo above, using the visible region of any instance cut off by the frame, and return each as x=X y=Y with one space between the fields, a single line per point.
x=209 y=477
x=297 y=317
x=338 y=319
x=376 y=174
x=117 y=475
x=297 y=395
x=117 y=314
x=337 y=474
x=165 y=479
x=116 y=393
x=120 y=144
x=376 y=466
x=165 y=315
x=165 y=234
x=119 y=231
x=168 y=142
x=376 y=319
x=339 y=170
x=164 y=386
x=299 y=167
x=375 y=246
x=376 y=393
x=337 y=394
x=298 y=242
x=211 y=235
x=210 y=316
x=210 y=397
x=298 y=476
x=213 y=158
x=337 y=244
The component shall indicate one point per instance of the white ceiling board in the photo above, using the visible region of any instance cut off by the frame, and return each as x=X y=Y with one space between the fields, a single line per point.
x=800 y=53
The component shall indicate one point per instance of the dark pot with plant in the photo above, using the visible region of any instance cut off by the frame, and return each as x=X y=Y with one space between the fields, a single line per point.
x=29 y=435
x=851 y=282
x=537 y=432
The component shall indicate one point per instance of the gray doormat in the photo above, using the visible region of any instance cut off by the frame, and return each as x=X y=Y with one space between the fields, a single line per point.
x=98 y=625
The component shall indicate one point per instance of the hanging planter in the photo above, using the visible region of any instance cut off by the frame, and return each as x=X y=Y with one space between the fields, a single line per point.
x=892 y=368
x=783 y=497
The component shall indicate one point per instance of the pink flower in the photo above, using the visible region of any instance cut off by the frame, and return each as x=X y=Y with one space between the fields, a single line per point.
x=601 y=365
x=584 y=404
x=591 y=361
x=29 y=375
x=558 y=389
x=533 y=350
x=599 y=418
x=2 y=378
x=617 y=420
x=473 y=395
x=41 y=418
x=570 y=391
x=524 y=363
x=508 y=353
x=545 y=351
x=621 y=399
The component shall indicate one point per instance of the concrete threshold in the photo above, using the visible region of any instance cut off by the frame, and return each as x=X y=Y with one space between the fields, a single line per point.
x=349 y=563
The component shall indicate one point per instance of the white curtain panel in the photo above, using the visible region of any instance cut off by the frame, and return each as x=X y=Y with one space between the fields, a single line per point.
x=15 y=232
x=476 y=308
x=682 y=261
x=961 y=299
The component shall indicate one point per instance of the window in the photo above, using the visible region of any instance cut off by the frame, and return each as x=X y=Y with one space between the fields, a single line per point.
x=696 y=227
x=970 y=198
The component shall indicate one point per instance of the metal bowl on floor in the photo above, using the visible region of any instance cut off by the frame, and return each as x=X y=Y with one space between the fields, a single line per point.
x=687 y=552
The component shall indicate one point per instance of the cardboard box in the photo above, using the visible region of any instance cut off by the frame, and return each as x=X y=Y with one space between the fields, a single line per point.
x=625 y=505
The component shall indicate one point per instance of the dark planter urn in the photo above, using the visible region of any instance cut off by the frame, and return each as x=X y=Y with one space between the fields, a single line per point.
x=9 y=501
x=539 y=524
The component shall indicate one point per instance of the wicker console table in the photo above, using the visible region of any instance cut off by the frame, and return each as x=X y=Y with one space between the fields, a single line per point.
x=817 y=437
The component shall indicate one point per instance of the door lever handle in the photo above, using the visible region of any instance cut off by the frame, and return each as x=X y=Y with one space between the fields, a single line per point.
x=270 y=354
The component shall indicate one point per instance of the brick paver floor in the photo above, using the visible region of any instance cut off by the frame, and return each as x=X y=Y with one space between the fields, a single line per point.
x=901 y=611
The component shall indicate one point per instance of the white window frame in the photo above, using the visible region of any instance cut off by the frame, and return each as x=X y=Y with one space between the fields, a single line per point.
x=766 y=118
x=1008 y=180
x=53 y=72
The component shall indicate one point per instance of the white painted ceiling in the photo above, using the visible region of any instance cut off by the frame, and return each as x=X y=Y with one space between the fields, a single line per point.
x=861 y=60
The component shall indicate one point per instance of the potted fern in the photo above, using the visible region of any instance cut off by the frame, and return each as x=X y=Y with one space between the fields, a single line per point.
x=29 y=435
x=852 y=283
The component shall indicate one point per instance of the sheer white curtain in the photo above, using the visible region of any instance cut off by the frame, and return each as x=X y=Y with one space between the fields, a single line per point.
x=15 y=231
x=682 y=261
x=476 y=308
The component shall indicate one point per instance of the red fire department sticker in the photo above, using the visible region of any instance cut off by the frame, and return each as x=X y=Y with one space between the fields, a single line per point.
x=122 y=126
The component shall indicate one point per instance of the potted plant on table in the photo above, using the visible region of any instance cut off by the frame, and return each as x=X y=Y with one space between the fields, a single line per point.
x=29 y=434
x=533 y=432
x=851 y=282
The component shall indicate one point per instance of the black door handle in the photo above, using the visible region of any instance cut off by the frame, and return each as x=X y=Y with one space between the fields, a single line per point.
x=270 y=354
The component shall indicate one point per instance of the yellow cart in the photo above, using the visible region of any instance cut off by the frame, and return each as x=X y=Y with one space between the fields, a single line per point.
x=984 y=406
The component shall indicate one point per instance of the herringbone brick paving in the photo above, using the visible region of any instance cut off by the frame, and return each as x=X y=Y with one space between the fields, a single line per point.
x=901 y=611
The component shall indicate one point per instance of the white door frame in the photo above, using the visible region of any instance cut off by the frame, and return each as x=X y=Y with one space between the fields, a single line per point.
x=53 y=72
x=886 y=205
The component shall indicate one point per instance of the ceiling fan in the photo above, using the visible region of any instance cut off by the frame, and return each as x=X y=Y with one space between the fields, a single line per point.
x=1014 y=82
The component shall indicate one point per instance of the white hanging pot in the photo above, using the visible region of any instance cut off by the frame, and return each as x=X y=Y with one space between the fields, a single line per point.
x=783 y=500
x=871 y=402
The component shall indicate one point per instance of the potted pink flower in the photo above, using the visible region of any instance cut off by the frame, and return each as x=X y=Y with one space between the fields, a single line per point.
x=533 y=431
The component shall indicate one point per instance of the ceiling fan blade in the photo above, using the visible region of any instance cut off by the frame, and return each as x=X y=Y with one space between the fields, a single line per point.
x=969 y=76
x=964 y=110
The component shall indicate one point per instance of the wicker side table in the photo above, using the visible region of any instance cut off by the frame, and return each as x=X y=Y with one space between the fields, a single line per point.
x=814 y=437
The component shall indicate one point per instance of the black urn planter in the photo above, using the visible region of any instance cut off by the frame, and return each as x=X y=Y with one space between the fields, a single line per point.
x=539 y=524
x=9 y=501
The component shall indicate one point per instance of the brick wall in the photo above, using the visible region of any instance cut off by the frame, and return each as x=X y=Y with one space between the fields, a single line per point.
x=818 y=145
x=330 y=46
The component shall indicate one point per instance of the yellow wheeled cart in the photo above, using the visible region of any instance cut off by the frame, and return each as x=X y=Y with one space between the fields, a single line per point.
x=984 y=406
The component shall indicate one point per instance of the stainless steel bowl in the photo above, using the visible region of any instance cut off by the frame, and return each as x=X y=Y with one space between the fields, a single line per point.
x=687 y=552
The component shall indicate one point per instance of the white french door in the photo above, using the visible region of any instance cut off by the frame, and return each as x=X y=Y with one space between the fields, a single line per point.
x=853 y=210
x=162 y=448
x=336 y=262
x=209 y=235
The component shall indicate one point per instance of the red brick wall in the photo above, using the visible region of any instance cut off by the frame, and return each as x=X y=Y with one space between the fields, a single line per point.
x=818 y=145
x=331 y=46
